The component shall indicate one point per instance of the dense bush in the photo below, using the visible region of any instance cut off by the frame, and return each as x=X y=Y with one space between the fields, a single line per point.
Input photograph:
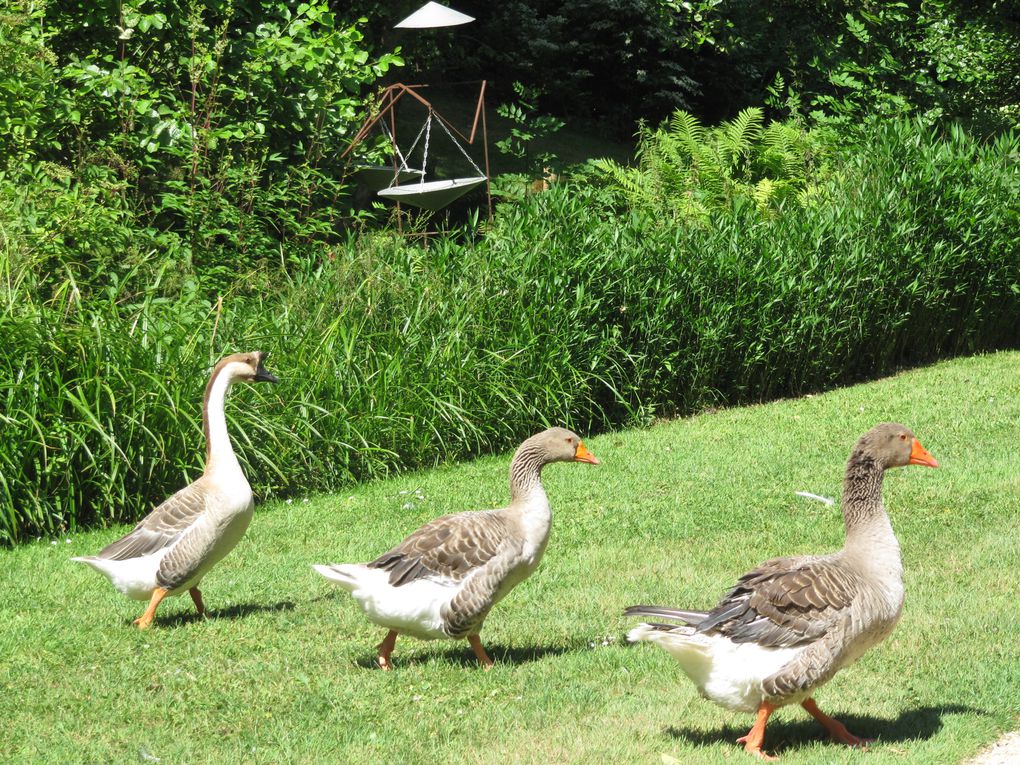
x=395 y=355
x=685 y=172
x=215 y=128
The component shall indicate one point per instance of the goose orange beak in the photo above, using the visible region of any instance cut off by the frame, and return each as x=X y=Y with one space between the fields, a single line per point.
x=583 y=455
x=919 y=455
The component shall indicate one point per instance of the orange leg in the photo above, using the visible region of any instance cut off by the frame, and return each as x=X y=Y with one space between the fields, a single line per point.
x=196 y=596
x=145 y=619
x=483 y=657
x=835 y=728
x=385 y=649
x=756 y=736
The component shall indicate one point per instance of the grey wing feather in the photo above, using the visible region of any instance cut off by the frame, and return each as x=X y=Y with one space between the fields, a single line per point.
x=784 y=602
x=467 y=609
x=160 y=528
x=451 y=546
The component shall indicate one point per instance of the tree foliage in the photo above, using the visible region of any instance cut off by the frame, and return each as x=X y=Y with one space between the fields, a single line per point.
x=218 y=124
x=613 y=62
x=850 y=60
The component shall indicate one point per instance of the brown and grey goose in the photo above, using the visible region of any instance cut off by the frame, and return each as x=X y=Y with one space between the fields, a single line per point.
x=442 y=581
x=790 y=624
x=173 y=547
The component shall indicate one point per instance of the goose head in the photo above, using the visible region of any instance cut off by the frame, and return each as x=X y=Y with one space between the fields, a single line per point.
x=562 y=445
x=890 y=444
x=245 y=367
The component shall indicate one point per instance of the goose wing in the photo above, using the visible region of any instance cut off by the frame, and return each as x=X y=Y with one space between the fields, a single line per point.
x=785 y=602
x=451 y=546
x=162 y=527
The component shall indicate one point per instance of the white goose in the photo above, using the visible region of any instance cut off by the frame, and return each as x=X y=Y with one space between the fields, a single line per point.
x=173 y=547
x=789 y=625
x=442 y=581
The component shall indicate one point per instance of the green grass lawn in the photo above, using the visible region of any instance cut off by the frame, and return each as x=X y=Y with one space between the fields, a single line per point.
x=283 y=670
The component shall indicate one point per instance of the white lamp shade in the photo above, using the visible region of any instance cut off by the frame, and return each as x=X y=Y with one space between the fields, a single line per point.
x=434 y=15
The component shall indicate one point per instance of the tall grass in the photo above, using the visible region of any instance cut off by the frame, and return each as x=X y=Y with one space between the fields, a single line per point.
x=395 y=355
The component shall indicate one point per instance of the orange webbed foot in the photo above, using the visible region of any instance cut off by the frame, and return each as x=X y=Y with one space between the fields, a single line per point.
x=196 y=597
x=756 y=736
x=480 y=654
x=143 y=621
x=834 y=727
x=385 y=649
x=754 y=749
x=851 y=740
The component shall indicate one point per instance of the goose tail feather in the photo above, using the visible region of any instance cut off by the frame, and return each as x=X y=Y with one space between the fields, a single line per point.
x=343 y=575
x=692 y=618
x=99 y=564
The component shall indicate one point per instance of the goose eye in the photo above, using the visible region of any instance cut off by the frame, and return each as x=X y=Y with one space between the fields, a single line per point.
x=903 y=436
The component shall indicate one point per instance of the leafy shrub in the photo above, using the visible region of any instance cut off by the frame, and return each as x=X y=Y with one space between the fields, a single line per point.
x=33 y=105
x=686 y=172
x=216 y=127
x=607 y=62
x=396 y=355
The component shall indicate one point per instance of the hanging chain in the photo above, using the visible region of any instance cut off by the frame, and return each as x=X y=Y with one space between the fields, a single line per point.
x=393 y=143
x=404 y=165
x=425 y=156
x=427 y=130
x=462 y=149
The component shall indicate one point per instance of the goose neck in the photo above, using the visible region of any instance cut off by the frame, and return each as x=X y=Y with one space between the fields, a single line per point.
x=526 y=474
x=864 y=517
x=219 y=455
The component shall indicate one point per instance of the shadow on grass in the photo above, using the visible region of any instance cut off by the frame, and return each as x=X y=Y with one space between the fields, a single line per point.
x=912 y=724
x=465 y=657
x=238 y=611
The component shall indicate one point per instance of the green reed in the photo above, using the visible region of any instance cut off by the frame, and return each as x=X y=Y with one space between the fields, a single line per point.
x=397 y=355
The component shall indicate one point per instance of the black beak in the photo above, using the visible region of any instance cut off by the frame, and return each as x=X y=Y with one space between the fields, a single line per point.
x=262 y=374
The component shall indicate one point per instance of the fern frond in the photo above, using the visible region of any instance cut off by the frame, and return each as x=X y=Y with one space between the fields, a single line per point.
x=686 y=126
x=738 y=136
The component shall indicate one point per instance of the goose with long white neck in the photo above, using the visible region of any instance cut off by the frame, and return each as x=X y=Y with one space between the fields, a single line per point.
x=442 y=581
x=791 y=623
x=173 y=547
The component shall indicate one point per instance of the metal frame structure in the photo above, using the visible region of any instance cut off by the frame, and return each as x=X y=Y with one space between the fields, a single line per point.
x=385 y=109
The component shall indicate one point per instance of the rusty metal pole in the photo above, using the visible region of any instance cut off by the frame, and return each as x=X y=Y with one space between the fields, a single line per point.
x=485 y=147
x=393 y=134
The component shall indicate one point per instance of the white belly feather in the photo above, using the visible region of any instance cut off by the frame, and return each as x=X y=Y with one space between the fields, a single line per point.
x=413 y=608
x=728 y=673
x=133 y=577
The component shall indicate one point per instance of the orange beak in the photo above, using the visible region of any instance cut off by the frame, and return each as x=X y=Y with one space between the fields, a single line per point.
x=919 y=455
x=583 y=455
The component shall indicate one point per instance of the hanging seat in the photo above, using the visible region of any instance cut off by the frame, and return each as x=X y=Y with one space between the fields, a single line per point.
x=432 y=195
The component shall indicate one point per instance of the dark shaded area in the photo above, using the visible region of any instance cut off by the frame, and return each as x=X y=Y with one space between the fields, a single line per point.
x=921 y=723
x=460 y=653
x=237 y=611
x=608 y=63
x=602 y=63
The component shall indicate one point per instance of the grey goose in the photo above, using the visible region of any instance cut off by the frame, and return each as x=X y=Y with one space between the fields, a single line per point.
x=442 y=581
x=790 y=624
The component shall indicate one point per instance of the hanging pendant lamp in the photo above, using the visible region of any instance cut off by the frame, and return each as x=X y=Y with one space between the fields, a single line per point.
x=434 y=15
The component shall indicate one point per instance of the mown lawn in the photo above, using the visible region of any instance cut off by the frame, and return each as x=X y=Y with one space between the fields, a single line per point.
x=283 y=671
